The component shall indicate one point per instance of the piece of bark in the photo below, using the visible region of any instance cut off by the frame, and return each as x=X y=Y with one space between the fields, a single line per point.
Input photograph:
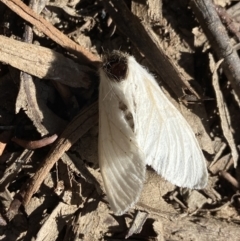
x=198 y=228
x=55 y=222
x=152 y=194
x=29 y=100
x=12 y=171
x=137 y=223
x=219 y=40
x=220 y=164
x=195 y=200
x=29 y=15
x=155 y=10
x=219 y=147
x=44 y=63
x=94 y=222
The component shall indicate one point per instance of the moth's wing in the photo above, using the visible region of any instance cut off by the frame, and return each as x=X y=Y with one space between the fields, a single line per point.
x=121 y=161
x=165 y=136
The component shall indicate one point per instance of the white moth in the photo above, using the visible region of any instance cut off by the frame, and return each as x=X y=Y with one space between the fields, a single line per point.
x=138 y=125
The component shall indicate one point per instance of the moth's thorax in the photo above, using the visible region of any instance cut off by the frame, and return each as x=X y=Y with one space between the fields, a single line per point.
x=115 y=66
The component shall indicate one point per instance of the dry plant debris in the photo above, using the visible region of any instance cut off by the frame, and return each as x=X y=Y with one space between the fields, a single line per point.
x=50 y=184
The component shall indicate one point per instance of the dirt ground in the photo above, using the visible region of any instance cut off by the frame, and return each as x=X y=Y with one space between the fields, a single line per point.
x=51 y=187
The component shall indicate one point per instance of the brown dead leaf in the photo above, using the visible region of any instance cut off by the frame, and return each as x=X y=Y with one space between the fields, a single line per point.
x=155 y=187
x=95 y=221
x=195 y=200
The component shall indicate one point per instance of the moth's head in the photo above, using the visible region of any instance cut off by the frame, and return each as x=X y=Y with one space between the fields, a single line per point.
x=115 y=65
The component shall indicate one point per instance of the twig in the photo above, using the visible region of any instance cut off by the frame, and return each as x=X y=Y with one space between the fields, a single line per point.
x=224 y=113
x=32 y=145
x=226 y=19
x=174 y=197
x=219 y=40
x=29 y=15
x=227 y=176
x=77 y=128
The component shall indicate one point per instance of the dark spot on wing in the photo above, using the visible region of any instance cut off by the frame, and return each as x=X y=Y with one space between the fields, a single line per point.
x=127 y=114
x=122 y=106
